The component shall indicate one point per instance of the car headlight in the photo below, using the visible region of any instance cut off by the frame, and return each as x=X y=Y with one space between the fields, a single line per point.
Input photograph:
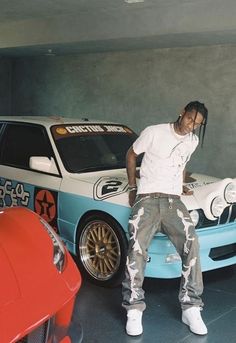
x=195 y=217
x=217 y=206
x=230 y=193
x=59 y=253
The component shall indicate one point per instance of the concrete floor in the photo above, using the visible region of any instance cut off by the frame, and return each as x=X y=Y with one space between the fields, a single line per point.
x=103 y=320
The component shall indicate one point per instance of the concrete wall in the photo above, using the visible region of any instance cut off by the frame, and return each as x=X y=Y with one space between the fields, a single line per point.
x=138 y=88
x=5 y=86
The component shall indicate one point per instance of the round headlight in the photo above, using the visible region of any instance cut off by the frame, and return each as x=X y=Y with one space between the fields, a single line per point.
x=195 y=217
x=230 y=193
x=217 y=206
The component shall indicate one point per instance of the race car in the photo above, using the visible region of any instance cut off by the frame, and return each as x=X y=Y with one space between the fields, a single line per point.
x=39 y=281
x=72 y=173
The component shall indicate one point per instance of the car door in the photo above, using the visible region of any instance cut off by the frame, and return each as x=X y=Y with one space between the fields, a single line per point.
x=20 y=185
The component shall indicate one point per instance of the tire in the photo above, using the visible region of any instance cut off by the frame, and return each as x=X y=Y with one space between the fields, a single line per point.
x=101 y=250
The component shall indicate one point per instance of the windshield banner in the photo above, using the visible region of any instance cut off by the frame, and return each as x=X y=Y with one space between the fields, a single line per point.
x=61 y=131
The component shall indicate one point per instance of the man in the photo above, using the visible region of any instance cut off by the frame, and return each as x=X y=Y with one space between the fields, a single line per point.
x=156 y=207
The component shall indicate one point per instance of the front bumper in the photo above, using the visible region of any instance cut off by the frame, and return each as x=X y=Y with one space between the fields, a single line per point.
x=162 y=250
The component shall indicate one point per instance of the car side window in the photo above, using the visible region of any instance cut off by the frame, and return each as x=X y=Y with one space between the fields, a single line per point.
x=20 y=141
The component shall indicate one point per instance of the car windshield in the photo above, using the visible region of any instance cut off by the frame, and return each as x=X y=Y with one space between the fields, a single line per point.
x=89 y=147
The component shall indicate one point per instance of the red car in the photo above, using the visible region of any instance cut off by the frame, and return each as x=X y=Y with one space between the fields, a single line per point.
x=39 y=281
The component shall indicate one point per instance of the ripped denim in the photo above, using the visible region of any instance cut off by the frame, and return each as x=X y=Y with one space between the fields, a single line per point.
x=149 y=216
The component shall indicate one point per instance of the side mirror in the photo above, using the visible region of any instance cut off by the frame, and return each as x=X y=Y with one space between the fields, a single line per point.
x=43 y=164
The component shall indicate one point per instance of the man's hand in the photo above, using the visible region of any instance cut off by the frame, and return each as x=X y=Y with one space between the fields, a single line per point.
x=132 y=196
x=186 y=191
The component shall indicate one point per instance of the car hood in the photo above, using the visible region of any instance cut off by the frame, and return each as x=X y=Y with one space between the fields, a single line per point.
x=93 y=177
x=112 y=186
x=31 y=288
x=194 y=180
x=205 y=190
x=10 y=290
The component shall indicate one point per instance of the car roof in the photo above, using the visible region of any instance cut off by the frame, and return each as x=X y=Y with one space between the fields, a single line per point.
x=52 y=120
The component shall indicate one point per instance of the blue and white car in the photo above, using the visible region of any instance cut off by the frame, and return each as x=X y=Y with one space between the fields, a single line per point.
x=72 y=172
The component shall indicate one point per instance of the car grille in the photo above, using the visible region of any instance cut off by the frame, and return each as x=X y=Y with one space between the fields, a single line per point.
x=39 y=335
x=228 y=215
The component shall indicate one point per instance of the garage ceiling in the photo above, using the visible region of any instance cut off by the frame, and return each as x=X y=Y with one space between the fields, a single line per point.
x=55 y=27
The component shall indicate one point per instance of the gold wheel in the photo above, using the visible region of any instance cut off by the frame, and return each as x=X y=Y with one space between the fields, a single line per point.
x=100 y=250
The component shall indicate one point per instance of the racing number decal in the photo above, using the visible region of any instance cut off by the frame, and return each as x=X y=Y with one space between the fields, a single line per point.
x=45 y=204
x=110 y=187
x=107 y=187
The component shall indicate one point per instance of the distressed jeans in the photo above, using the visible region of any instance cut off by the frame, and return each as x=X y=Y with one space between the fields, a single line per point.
x=150 y=215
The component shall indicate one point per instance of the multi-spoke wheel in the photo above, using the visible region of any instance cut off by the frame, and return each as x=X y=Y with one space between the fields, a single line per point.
x=101 y=249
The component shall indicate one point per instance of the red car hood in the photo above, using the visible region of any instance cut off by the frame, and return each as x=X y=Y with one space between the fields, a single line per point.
x=31 y=288
x=10 y=291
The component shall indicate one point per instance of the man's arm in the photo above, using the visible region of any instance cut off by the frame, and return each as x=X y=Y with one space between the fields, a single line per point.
x=186 y=190
x=131 y=158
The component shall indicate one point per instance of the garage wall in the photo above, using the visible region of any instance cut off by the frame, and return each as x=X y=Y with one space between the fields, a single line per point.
x=138 y=88
x=5 y=86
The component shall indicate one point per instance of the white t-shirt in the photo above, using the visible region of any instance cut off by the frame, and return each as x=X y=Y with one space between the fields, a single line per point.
x=165 y=156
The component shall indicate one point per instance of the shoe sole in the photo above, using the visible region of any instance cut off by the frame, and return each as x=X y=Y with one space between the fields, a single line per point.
x=137 y=333
x=134 y=334
x=191 y=329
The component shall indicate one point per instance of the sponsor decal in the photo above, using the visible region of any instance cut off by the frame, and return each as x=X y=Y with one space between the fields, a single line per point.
x=13 y=194
x=107 y=187
x=85 y=129
x=61 y=131
x=45 y=204
x=197 y=184
x=94 y=128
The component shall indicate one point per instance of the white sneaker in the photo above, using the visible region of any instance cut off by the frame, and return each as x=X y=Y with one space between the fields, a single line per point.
x=192 y=318
x=134 y=322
